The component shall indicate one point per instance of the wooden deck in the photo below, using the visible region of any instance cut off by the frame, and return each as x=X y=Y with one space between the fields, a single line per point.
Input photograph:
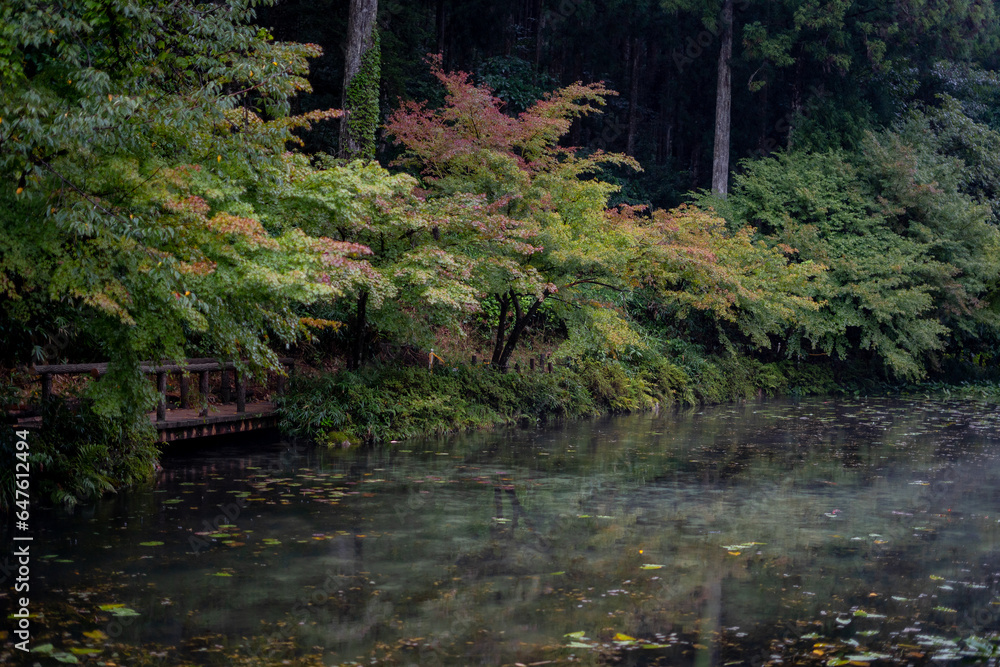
x=213 y=416
x=185 y=424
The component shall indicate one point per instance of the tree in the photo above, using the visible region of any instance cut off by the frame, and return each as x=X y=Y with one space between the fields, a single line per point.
x=911 y=258
x=723 y=104
x=137 y=140
x=558 y=244
x=362 y=68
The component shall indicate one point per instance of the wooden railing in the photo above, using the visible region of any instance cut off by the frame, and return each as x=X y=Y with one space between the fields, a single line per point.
x=189 y=366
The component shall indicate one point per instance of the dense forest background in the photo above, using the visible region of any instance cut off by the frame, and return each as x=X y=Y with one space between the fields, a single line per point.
x=805 y=73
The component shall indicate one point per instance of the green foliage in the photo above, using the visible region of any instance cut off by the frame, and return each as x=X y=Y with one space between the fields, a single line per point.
x=876 y=293
x=79 y=455
x=377 y=404
x=515 y=81
x=903 y=229
x=138 y=140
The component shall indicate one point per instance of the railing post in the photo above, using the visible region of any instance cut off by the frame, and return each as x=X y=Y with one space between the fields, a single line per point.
x=203 y=390
x=531 y=364
x=185 y=389
x=161 y=387
x=475 y=360
x=46 y=386
x=241 y=393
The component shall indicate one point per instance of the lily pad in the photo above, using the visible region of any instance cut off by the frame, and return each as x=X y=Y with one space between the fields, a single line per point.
x=151 y=544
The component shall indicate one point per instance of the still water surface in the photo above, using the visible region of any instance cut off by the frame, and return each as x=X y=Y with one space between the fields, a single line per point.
x=818 y=532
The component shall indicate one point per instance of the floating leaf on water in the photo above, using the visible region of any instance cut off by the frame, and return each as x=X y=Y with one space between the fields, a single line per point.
x=578 y=645
x=655 y=646
x=125 y=611
x=62 y=560
x=44 y=648
x=84 y=651
x=172 y=501
x=867 y=657
x=651 y=566
x=151 y=544
x=946 y=609
x=67 y=658
x=619 y=637
x=96 y=635
x=220 y=574
x=110 y=607
x=934 y=577
x=582 y=634
x=843 y=621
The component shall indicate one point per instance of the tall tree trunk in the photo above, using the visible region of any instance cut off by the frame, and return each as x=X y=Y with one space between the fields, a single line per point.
x=723 y=105
x=361 y=82
x=637 y=48
x=537 y=28
x=439 y=27
x=358 y=334
x=504 y=300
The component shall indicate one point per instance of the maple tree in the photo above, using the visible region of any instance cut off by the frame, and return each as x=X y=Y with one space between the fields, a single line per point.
x=573 y=251
x=138 y=142
x=549 y=237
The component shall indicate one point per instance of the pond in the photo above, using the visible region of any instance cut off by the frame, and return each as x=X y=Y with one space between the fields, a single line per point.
x=814 y=532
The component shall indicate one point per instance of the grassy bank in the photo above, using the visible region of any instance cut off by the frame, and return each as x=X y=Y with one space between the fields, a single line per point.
x=388 y=402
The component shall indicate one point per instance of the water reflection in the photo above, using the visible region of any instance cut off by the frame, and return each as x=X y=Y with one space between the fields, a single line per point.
x=814 y=532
